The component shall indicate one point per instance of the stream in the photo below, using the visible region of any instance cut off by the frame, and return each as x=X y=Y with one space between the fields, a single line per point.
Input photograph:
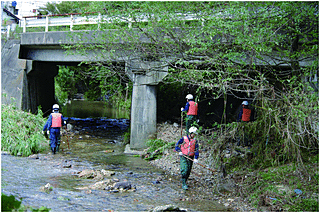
x=23 y=177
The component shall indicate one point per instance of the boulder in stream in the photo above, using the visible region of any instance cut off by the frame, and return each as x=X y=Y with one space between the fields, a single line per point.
x=168 y=208
x=47 y=188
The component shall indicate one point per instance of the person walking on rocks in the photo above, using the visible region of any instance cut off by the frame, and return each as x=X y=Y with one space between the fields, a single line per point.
x=191 y=108
x=188 y=149
x=53 y=124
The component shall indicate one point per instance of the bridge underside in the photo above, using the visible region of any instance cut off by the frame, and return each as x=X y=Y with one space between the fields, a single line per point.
x=28 y=73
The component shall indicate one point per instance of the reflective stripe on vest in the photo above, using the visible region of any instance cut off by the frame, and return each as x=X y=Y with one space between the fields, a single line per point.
x=246 y=113
x=56 y=119
x=188 y=147
x=193 y=108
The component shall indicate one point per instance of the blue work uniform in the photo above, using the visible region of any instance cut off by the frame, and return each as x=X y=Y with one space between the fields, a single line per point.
x=54 y=132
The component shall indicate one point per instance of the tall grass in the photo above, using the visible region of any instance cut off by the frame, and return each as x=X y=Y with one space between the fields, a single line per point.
x=21 y=131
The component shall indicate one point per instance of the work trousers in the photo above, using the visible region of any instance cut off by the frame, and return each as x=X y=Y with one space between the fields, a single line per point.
x=185 y=167
x=54 y=137
x=189 y=121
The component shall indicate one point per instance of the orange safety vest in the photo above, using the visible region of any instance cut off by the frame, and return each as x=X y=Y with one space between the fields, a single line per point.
x=56 y=119
x=188 y=147
x=193 y=108
x=246 y=113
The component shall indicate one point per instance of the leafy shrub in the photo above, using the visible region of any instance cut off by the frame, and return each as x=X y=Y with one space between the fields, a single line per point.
x=10 y=204
x=21 y=131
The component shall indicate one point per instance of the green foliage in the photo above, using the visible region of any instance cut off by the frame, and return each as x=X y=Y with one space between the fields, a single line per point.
x=65 y=7
x=65 y=83
x=21 y=131
x=279 y=184
x=126 y=137
x=310 y=205
x=155 y=144
x=95 y=81
x=156 y=147
x=10 y=204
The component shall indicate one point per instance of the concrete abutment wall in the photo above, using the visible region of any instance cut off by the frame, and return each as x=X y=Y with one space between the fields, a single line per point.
x=26 y=84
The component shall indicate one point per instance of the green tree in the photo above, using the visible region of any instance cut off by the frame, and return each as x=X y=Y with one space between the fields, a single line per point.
x=265 y=50
x=65 y=7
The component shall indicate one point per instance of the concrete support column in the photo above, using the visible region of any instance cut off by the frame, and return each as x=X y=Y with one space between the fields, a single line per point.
x=143 y=115
x=145 y=76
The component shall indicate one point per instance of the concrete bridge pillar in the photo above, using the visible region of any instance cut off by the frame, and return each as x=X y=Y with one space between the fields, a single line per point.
x=145 y=77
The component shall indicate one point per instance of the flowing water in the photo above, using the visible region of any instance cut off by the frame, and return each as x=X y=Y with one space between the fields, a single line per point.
x=23 y=177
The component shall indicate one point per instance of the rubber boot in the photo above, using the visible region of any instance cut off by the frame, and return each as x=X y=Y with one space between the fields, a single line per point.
x=53 y=150
x=184 y=184
x=57 y=148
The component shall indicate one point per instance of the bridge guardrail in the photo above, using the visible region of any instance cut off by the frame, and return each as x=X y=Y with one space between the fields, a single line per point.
x=74 y=19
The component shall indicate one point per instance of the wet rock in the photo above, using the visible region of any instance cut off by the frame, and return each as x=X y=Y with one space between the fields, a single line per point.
x=5 y=153
x=100 y=185
x=87 y=174
x=123 y=185
x=35 y=156
x=47 y=188
x=98 y=175
x=107 y=173
x=168 y=208
x=66 y=164
x=120 y=186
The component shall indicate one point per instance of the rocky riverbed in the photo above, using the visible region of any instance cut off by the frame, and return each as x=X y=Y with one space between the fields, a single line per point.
x=92 y=173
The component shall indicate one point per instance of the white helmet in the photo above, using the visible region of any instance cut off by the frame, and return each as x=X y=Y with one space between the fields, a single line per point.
x=245 y=103
x=193 y=130
x=189 y=96
x=55 y=106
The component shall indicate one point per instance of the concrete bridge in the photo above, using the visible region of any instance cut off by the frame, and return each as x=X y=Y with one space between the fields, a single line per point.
x=29 y=66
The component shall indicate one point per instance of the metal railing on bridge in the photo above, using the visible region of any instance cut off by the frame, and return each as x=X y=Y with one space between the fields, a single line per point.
x=73 y=19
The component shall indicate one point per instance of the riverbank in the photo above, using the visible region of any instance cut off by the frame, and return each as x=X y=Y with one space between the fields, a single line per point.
x=287 y=188
x=203 y=183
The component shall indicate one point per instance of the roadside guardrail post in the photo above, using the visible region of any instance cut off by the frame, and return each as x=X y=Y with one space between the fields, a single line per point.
x=47 y=23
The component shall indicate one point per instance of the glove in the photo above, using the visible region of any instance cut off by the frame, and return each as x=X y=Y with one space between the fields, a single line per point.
x=48 y=132
x=195 y=160
x=181 y=109
x=42 y=132
x=65 y=122
x=180 y=153
x=198 y=120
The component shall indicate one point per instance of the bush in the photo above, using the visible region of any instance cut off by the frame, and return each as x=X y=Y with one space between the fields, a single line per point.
x=21 y=131
x=10 y=204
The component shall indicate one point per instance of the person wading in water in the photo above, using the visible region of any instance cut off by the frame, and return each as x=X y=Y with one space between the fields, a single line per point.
x=53 y=124
x=188 y=149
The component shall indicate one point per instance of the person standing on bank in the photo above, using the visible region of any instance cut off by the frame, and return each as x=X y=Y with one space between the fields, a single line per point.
x=188 y=149
x=245 y=113
x=244 y=116
x=192 y=109
x=53 y=124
